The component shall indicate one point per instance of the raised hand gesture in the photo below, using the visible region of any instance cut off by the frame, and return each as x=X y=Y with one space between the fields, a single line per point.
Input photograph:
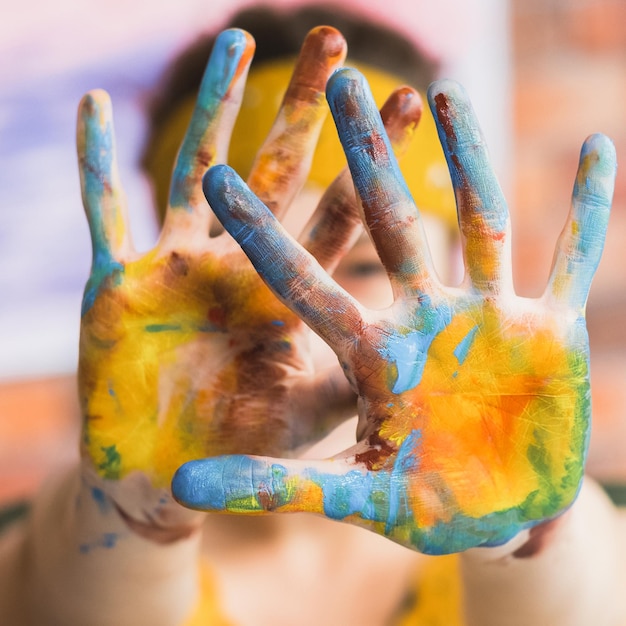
x=474 y=403
x=183 y=349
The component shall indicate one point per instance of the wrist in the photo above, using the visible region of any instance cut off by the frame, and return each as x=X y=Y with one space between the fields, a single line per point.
x=78 y=543
x=147 y=511
x=570 y=569
x=526 y=544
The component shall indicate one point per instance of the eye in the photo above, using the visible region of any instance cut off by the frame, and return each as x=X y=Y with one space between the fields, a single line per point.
x=364 y=269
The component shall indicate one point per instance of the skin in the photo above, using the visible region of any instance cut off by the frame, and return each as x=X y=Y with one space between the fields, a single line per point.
x=185 y=352
x=154 y=340
x=63 y=566
x=473 y=402
x=183 y=348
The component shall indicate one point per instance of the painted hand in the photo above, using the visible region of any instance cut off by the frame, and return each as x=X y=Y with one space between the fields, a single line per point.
x=184 y=352
x=474 y=403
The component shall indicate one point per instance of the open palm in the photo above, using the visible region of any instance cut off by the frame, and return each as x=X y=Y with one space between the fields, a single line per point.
x=474 y=408
x=184 y=349
x=185 y=352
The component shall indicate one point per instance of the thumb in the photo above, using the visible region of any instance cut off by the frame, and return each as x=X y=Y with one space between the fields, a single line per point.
x=335 y=488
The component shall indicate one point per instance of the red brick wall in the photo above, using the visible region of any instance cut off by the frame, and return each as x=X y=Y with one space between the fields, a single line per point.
x=569 y=60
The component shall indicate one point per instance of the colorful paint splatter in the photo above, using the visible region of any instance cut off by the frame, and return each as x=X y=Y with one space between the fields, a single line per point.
x=475 y=402
x=184 y=351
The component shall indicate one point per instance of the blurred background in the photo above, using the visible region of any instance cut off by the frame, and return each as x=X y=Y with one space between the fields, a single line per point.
x=542 y=74
x=568 y=81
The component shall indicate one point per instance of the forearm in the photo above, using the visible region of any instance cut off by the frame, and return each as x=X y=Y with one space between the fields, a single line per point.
x=79 y=562
x=571 y=573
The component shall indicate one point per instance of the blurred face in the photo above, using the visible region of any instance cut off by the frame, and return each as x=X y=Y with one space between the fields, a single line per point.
x=361 y=273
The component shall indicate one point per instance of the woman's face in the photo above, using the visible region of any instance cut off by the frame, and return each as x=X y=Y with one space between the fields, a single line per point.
x=362 y=274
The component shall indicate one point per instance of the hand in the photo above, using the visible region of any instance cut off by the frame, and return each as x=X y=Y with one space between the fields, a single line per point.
x=184 y=352
x=474 y=403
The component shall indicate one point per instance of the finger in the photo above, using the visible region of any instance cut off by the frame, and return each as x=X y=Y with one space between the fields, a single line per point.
x=393 y=501
x=580 y=245
x=284 y=160
x=390 y=214
x=338 y=488
x=103 y=198
x=251 y=484
x=336 y=223
x=321 y=404
x=208 y=134
x=401 y=114
x=483 y=214
x=293 y=274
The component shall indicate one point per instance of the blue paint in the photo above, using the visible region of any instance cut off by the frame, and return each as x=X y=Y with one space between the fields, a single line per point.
x=208 y=484
x=346 y=494
x=406 y=356
x=592 y=202
x=368 y=150
x=96 y=170
x=406 y=351
x=106 y=540
x=100 y=498
x=278 y=323
x=218 y=78
x=466 y=154
x=463 y=348
x=406 y=464
x=102 y=270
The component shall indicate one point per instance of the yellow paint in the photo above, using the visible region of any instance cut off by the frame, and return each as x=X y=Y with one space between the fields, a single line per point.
x=207 y=611
x=423 y=165
x=439 y=595
x=483 y=247
x=479 y=420
x=156 y=397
